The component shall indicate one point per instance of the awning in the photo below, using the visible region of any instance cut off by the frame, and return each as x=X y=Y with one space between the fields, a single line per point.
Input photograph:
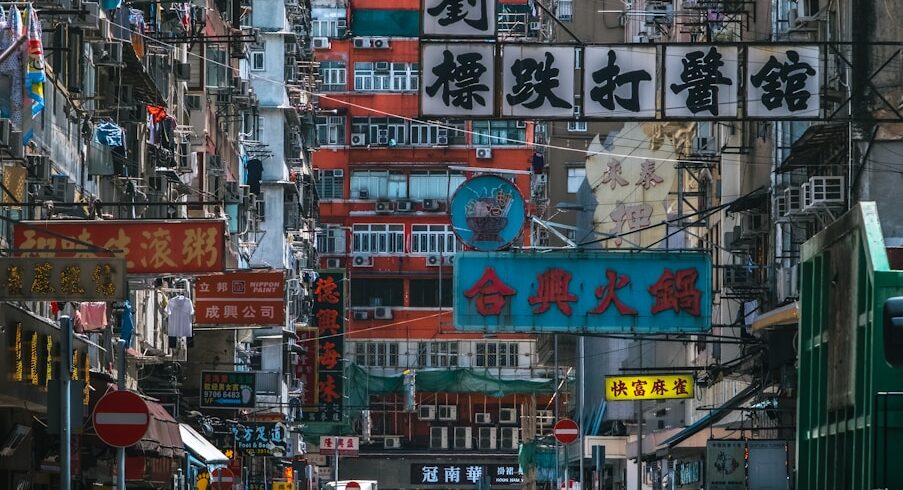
x=200 y=447
x=788 y=314
x=821 y=144
x=757 y=199
x=162 y=435
x=712 y=417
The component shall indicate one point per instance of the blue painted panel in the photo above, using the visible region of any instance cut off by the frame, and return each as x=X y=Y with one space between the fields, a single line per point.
x=654 y=292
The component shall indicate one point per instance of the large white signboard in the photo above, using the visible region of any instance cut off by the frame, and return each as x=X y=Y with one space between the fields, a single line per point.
x=537 y=81
x=619 y=81
x=459 y=18
x=783 y=81
x=701 y=82
x=458 y=79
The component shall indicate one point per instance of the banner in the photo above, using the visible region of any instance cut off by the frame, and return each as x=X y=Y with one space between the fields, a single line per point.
x=663 y=387
x=241 y=298
x=329 y=318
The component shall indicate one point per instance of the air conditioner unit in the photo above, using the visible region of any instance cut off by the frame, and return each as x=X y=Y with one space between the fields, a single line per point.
x=448 y=259
x=392 y=442
x=362 y=261
x=361 y=42
x=482 y=418
x=384 y=207
x=363 y=193
x=510 y=437
x=438 y=437
x=486 y=439
x=433 y=260
x=382 y=313
x=404 y=206
x=360 y=314
x=792 y=201
x=825 y=190
x=780 y=206
x=447 y=412
x=507 y=415
x=379 y=42
x=463 y=438
x=321 y=43
x=358 y=139
x=430 y=205
x=805 y=197
x=426 y=412
x=38 y=168
x=484 y=153
x=333 y=263
x=5 y=128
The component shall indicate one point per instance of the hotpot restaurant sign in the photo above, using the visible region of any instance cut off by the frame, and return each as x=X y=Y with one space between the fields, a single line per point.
x=241 y=298
x=227 y=389
x=487 y=212
x=149 y=247
x=583 y=292
x=62 y=279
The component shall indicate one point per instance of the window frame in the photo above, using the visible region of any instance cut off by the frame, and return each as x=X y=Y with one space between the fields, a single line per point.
x=378 y=239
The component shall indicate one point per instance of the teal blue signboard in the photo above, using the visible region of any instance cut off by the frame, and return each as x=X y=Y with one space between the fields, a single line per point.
x=583 y=292
x=487 y=212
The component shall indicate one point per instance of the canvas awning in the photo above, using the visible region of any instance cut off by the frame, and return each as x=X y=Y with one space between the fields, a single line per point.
x=162 y=435
x=201 y=447
x=712 y=417
x=788 y=315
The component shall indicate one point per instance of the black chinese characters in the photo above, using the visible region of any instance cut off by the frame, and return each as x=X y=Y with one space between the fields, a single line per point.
x=609 y=78
x=534 y=82
x=464 y=73
x=454 y=11
x=701 y=77
x=784 y=83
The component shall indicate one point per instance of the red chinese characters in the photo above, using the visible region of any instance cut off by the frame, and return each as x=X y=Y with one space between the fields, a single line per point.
x=677 y=291
x=553 y=288
x=490 y=293
x=607 y=294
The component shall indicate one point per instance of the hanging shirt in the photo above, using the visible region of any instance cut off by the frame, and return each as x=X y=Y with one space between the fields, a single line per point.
x=91 y=316
x=180 y=310
x=126 y=323
x=255 y=172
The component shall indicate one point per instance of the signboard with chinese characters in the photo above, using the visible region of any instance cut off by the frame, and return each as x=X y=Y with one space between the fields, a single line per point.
x=701 y=81
x=458 y=18
x=688 y=473
x=583 y=292
x=260 y=438
x=328 y=315
x=619 y=81
x=62 y=279
x=149 y=247
x=227 y=389
x=783 y=81
x=346 y=445
x=537 y=81
x=663 y=387
x=487 y=212
x=725 y=465
x=306 y=369
x=241 y=298
x=458 y=79
x=465 y=474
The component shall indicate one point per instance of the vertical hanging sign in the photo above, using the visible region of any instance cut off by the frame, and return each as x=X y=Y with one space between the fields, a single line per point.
x=329 y=317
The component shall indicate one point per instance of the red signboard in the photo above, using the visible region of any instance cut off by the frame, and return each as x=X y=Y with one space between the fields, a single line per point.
x=121 y=418
x=241 y=298
x=566 y=431
x=222 y=479
x=149 y=247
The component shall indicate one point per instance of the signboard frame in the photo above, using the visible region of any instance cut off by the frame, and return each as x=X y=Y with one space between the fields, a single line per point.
x=251 y=394
x=671 y=386
x=233 y=293
x=63 y=279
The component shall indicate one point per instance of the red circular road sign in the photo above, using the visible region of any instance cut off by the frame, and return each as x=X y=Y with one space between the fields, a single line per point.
x=566 y=431
x=353 y=485
x=121 y=418
x=222 y=479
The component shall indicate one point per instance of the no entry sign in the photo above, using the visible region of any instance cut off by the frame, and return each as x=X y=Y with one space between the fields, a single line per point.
x=222 y=479
x=121 y=418
x=566 y=431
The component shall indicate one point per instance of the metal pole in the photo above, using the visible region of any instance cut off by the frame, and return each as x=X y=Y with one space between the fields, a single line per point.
x=65 y=402
x=335 y=444
x=120 y=383
x=639 y=434
x=581 y=407
x=557 y=458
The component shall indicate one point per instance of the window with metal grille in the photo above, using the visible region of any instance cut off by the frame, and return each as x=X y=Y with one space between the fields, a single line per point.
x=330 y=184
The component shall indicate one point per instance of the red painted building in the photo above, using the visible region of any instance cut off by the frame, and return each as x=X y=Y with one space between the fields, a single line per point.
x=385 y=178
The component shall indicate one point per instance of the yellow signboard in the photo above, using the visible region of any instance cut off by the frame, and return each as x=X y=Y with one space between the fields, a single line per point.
x=661 y=387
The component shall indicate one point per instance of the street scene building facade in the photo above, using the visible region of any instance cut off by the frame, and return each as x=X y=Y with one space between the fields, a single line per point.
x=405 y=244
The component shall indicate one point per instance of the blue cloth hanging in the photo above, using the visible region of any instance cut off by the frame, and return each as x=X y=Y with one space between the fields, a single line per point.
x=127 y=324
x=108 y=133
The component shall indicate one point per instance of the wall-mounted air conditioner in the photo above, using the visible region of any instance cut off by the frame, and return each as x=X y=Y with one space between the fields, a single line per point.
x=321 y=43
x=448 y=259
x=358 y=139
x=362 y=261
x=487 y=438
x=780 y=206
x=463 y=438
x=805 y=197
x=507 y=415
x=392 y=442
x=433 y=260
x=333 y=263
x=482 y=418
x=383 y=207
x=793 y=201
x=447 y=412
x=430 y=205
x=379 y=42
x=426 y=412
x=484 y=153
x=826 y=190
x=739 y=276
x=360 y=314
x=438 y=437
x=38 y=168
x=382 y=313
x=509 y=438
x=404 y=206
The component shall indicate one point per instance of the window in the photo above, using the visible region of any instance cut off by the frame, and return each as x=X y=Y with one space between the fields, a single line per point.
x=577 y=126
x=258 y=60
x=378 y=184
x=565 y=10
x=437 y=354
x=261 y=207
x=331 y=130
x=333 y=27
x=331 y=184
x=377 y=292
x=383 y=76
x=496 y=354
x=498 y=133
x=333 y=76
x=376 y=354
x=435 y=184
x=216 y=75
x=432 y=239
x=378 y=239
x=576 y=176
x=511 y=24
x=331 y=240
x=425 y=293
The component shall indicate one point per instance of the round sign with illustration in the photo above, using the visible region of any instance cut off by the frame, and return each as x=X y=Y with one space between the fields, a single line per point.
x=488 y=213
